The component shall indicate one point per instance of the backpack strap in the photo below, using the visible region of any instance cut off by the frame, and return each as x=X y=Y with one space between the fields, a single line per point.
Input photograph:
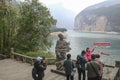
x=94 y=69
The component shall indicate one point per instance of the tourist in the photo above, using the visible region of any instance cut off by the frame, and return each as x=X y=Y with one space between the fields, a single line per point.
x=89 y=53
x=44 y=62
x=101 y=64
x=80 y=64
x=93 y=69
x=69 y=66
x=38 y=65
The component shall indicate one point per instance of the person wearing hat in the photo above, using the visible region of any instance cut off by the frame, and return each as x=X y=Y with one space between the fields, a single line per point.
x=38 y=66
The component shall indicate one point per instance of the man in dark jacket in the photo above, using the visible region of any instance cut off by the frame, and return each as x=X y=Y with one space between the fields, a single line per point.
x=39 y=68
x=69 y=66
x=93 y=69
x=81 y=65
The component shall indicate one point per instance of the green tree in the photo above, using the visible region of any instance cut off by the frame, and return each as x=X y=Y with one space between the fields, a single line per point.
x=8 y=22
x=35 y=23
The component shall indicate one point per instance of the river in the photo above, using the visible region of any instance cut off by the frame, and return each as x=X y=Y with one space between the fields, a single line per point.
x=80 y=40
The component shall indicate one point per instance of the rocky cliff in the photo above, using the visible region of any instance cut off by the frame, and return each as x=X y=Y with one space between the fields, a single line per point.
x=104 y=17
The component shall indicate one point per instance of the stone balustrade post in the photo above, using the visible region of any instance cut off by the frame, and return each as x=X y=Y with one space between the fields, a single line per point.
x=11 y=53
x=117 y=64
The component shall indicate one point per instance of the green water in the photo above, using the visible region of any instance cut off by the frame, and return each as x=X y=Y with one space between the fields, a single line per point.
x=80 y=40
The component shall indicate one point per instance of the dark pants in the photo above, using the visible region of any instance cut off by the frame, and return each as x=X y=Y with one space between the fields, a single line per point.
x=40 y=76
x=100 y=77
x=81 y=72
x=69 y=77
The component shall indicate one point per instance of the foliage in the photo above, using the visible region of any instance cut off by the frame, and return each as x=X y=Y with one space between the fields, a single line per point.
x=8 y=26
x=35 y=54
x=25 y=27
x=35 y=23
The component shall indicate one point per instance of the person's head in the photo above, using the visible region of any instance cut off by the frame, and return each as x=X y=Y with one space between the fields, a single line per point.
x=87 y=49
x=68 y=56
x=60 y=36
x=97 y=55
x=38 y=59
x=83 y=53
x=93 y=56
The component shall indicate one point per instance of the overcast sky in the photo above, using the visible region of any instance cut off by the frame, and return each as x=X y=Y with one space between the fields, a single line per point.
x=74 y=5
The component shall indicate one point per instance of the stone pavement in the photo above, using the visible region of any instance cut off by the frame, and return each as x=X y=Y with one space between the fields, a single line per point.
x=16 y=70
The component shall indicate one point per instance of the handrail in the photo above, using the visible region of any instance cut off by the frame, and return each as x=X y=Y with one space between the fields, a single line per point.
x=114 y=74
x=29 y=59
x=110 y=66
x=22 y=58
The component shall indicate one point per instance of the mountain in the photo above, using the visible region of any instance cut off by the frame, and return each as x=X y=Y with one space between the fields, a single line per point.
x=104 y=17
x=64 y=17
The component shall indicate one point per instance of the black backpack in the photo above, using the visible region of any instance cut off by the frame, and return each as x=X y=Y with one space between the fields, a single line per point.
x=78 y=62
x=34 y=74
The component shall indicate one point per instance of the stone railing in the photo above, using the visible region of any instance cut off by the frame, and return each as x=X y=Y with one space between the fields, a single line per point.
x=113 y=75
x=115 y=72
x=2 y=56
x=28 y=59
x=23 y=58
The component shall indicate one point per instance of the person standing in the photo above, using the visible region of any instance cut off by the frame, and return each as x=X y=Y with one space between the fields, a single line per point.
x=44 y=62
x=101 y=64
x=89 y=53
x=93 y=69
x=39 y=67
x=69 y=66
x=80 y=64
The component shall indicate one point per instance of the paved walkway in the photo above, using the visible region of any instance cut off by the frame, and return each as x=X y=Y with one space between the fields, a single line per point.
x=15 y=70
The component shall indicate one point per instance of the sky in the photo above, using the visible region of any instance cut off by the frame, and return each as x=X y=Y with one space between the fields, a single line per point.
x=74 y=5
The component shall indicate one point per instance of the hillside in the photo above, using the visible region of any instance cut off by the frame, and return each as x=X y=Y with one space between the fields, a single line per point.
x=104 y=17
x=64 y=17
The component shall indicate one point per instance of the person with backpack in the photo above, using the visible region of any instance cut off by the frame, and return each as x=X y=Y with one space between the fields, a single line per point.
x=93 y=69
x=80 y=64
x=38 y=70
x=69 y=66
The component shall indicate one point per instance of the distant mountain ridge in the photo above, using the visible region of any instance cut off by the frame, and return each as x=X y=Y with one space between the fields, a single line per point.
x=65 y=17
x=104 y=17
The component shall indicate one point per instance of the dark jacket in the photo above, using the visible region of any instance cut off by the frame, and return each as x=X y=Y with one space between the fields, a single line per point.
x=40 y=69
x=91 y=73
x=69 y=66
x=81 y=62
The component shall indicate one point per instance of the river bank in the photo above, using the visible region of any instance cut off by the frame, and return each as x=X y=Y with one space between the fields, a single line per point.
x=103 y=32
x=55 y=34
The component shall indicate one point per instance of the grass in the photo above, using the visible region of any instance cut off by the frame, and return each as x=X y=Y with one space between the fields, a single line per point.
x=35 y=54
x=38 y=53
